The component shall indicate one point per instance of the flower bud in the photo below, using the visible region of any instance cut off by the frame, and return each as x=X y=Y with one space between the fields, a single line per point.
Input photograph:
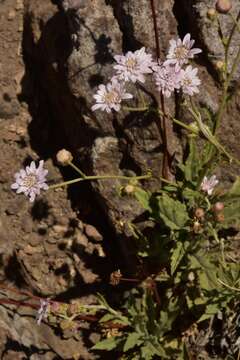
x=223 y=6
x=64 y=157
x=199 y=213
x=195 y=128
x=211 y=13
x=115 y=277
x=220 y=217
x=129 y=189
x=219 y=65
x=191 y=276
x=197 y=227
x=219 y=206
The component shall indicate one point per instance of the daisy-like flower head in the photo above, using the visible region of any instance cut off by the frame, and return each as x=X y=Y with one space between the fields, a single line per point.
x=110 y=96
x=166 y=79
x=133 y=65
x=180 y=51
x=31 y=180
x=189 y=80
x=208 y=185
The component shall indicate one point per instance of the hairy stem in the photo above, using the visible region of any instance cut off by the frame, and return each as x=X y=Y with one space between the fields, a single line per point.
x=100 y=177
x=77 y=169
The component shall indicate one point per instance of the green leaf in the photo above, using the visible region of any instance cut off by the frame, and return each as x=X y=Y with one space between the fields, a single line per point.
x=107 y=344
x=211 y=309
x=207 y=271
x=143 y=197
x=234 y=192
x=232 y=213
x=168 y=316
x=149 y=350
x=192 y=165
x=177 y=256
x=172 y=212
x=191 y=196
x=132 y=341
x=231 y=201
x=107 y=317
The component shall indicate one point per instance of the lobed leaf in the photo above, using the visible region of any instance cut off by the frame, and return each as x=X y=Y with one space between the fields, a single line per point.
x=172 y=212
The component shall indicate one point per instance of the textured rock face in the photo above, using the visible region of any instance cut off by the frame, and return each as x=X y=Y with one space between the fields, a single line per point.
x=72 y=52
x=208 y=28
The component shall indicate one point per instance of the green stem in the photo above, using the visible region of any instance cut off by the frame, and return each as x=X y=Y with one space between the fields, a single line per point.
x=77 y=169
x=140 y=94
x=132 y=109
x=185 y=126
x=180 y=123
x=209 y=135
x=228 y=286
x=235 y=22
x=225 y=92
x=99 y=177
x=168 y=182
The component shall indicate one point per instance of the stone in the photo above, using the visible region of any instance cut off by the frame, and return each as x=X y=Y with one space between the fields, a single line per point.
x=9 y=105
x=11 y=14
x=93 y=233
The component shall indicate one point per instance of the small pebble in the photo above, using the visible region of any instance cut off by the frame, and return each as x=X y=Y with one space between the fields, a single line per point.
x=93 y=233
x=11 y=15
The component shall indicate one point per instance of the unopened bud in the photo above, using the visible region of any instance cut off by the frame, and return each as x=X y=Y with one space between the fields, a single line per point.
x=223 y=6
x=197 y=227
x=220 y=217
x=219 y=65
x=115 y=277
x=194 y=127
x=199 y=213
x=64 y=157
x=191 y=276
x=219 y=206
x=211 y=13
x=129 y=189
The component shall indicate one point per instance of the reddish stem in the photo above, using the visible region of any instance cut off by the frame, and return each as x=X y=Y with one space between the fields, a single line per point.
x=19 y=292
x=130 y=280
x=166 y=157
x=19 y=303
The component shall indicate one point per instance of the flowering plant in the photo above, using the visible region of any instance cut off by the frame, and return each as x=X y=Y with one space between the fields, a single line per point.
x=188 y=275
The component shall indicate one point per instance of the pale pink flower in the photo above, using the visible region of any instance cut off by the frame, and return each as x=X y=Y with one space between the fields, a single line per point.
x=180 y=51
x=208 y=185
x=134 y=65
x=110 y=96
x=189 y=80
x=166 y=79
x=43 y=310
x=31 y=180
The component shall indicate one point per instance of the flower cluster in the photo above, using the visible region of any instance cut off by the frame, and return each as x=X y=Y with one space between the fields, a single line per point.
x=168 y=76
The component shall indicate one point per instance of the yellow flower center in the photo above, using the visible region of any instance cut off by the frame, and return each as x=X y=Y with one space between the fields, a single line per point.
x=30 y=181
x=131 y=63
x=187 y=81
x=112 y=97
x=181 y=52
